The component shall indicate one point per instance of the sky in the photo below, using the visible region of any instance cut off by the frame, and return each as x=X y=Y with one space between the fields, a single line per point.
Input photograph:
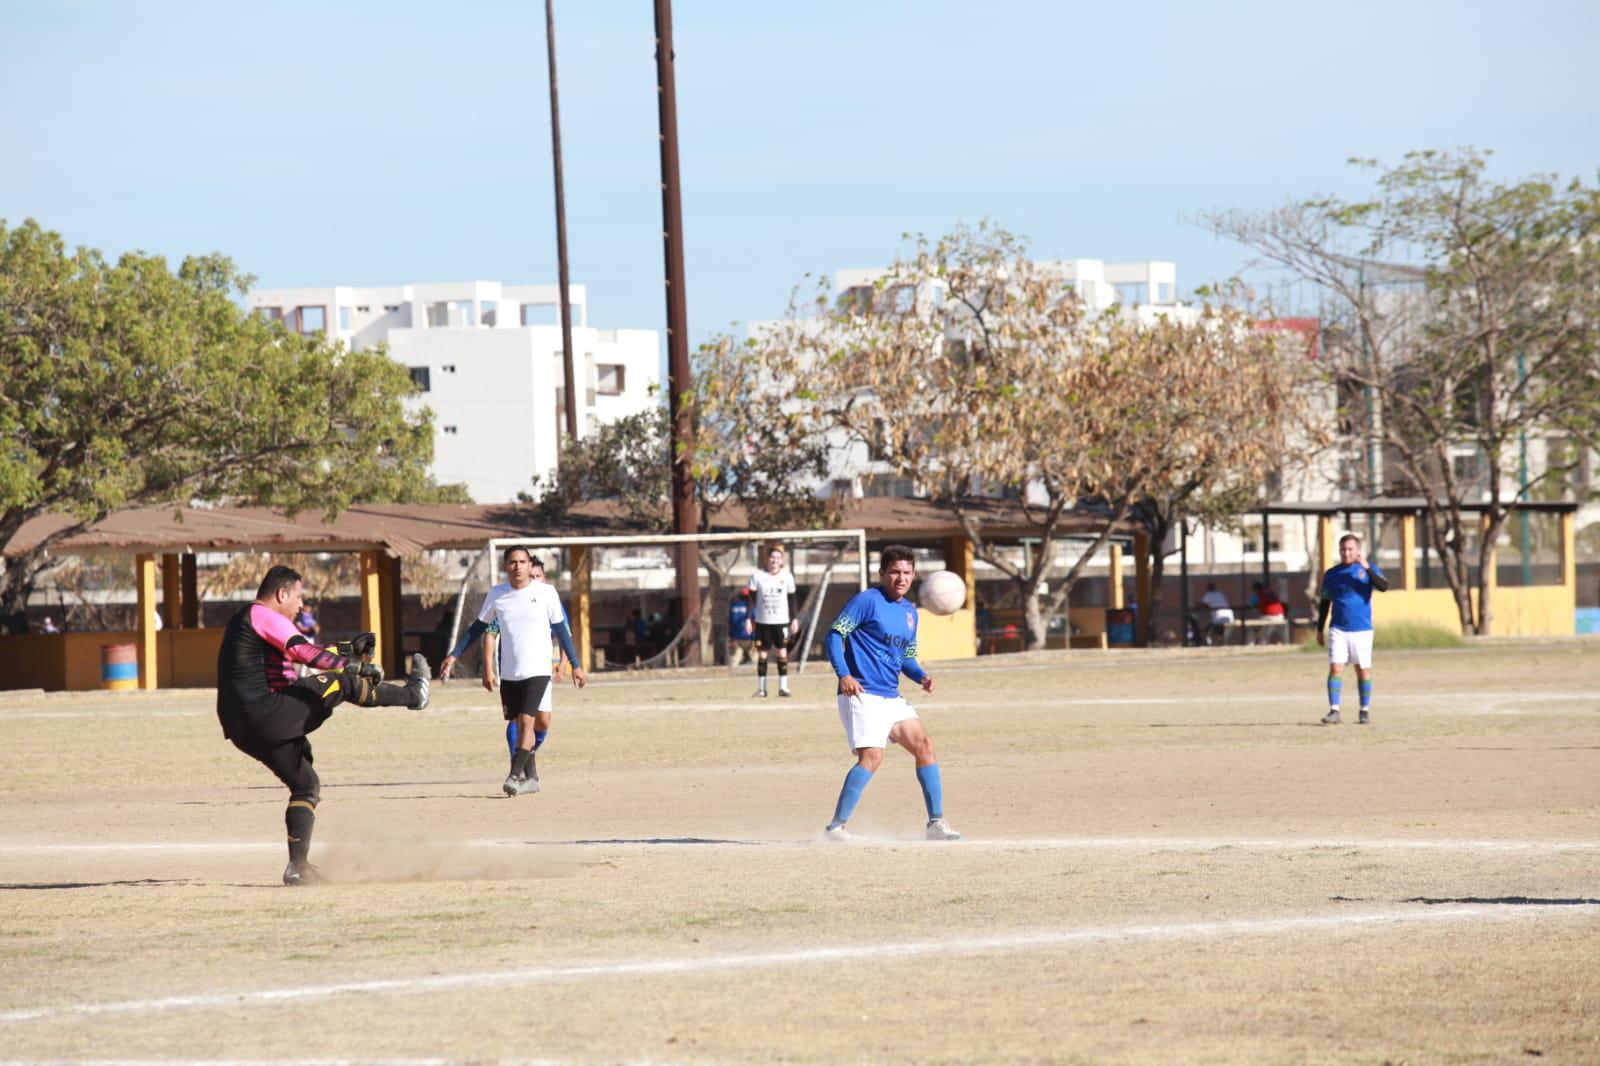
x=374 y=143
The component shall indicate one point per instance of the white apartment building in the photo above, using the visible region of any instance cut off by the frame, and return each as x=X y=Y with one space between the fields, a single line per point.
x=487 y=358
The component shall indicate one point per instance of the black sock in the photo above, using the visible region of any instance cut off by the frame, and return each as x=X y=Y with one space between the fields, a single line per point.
x=392 y=694
x=519 y=763
x=299 y=818
x=783 y=667
x=761 y=669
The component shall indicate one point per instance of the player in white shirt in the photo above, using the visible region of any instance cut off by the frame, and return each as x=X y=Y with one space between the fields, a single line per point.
x=773 y=589
x=522 y=616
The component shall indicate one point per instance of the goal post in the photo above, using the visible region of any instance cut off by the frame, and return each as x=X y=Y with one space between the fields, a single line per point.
x=620 y=591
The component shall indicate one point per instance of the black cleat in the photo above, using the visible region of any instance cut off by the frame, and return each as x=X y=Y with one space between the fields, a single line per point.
x=1363 y=719
x=301 y=873
x=1331 y=718
x=417 y=682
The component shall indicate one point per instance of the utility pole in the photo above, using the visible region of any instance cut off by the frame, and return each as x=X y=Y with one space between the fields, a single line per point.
x=567 y=376
x=685 y=517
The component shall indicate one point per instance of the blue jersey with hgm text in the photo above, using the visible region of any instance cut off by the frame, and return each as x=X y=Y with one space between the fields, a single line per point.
x=873 y=640
x=1350 y=591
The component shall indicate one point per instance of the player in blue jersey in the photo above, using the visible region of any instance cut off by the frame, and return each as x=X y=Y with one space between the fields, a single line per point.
x=1347 y=595
x=871 y=643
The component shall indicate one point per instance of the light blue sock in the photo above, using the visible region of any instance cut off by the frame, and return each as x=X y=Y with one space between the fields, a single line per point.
x=1335 y=690
x=855 y=782
x=538 y=737
x=1365 y=688
x=932 y=790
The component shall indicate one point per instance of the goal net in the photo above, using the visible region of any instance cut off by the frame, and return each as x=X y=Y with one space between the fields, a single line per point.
x=627 y=590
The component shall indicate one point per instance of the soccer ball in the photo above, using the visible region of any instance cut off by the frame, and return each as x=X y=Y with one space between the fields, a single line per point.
x=944 y=592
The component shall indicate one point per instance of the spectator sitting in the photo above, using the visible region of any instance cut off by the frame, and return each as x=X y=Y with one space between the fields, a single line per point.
x=1221 y=615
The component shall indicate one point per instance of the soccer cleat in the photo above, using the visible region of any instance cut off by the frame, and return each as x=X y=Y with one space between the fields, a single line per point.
x=761 y=693
x=939 y=829
x=527 y=785
x=1331 y=718
x=417 y=682
x=1363 y=719
x=512 y=786
x=785 y=693
x=836 y=833
x=301 y=873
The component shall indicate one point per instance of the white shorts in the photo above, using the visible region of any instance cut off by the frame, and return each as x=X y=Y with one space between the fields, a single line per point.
x=867 y=719
x=1350 y=646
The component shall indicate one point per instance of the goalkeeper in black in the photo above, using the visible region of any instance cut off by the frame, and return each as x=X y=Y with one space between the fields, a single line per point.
x=266 y=708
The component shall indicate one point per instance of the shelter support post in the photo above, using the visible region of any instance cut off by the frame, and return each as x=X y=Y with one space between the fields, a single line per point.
x=1114 y=578
x=393 y=659
x=171 y=591
x=1569 y=552
x=1327 y=549
x=582 y=619
x=1408 y=551
x=371 y=582
x=958 y=560
x=145 y=579
x=191 y=592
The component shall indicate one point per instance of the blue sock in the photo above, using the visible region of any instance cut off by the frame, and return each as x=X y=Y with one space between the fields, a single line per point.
x=1365 y=688
x=932 y=790
x=1335 y=690
x=855 y=782
x=511 y=737
x=538 y=737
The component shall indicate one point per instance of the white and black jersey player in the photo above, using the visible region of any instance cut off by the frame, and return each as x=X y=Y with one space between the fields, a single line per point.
x=522 y=617
x=772 y=590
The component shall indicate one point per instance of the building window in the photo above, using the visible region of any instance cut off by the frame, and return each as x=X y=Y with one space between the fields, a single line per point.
x=1132 y=293
x=362 y=309
x=451 y=430
x=438 y=315
x=465 y=307
x=1466 y=468
x=610 y=379
x=1164 y=294
x=420 y=378
x=344 y=318
x=312 y=319
x=490 y=311
x=539 y=314
x=390 y=309
x=858 y=299
x=271 y=314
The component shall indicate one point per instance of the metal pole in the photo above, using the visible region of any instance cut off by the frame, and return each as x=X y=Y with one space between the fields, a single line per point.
x=685 y=517
x=561 y=230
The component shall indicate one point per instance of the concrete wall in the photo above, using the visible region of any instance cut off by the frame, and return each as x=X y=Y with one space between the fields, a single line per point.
x=185 y=658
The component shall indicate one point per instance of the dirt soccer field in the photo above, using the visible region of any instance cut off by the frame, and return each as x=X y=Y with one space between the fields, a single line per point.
x=1165 y=858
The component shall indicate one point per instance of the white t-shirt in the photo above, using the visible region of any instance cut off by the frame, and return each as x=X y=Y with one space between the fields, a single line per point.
x=526 y=618
x=772 y=597
x=1221 y=613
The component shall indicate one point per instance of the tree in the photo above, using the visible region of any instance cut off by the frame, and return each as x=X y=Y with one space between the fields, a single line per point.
x=1497 y=336
x=979 y=373
x=128 y=385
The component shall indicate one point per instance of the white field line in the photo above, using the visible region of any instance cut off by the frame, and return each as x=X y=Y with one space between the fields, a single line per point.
x=736 y=961
x=990 y=843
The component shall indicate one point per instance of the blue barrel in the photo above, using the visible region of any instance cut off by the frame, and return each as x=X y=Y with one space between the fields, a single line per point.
x=1120 y=627
x=119 y=667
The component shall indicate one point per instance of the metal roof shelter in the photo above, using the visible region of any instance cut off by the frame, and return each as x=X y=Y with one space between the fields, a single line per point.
x=168 y=538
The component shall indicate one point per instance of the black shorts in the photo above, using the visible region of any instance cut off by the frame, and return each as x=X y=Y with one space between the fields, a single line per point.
x=523 y=697
x=284 y=715
x=772 y=636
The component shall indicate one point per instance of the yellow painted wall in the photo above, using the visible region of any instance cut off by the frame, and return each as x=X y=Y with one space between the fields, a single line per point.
x=1539 y=610
x=954 y=636
x=185 y=658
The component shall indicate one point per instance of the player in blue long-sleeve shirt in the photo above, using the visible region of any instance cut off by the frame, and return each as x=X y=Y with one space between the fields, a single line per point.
x=871 y=643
